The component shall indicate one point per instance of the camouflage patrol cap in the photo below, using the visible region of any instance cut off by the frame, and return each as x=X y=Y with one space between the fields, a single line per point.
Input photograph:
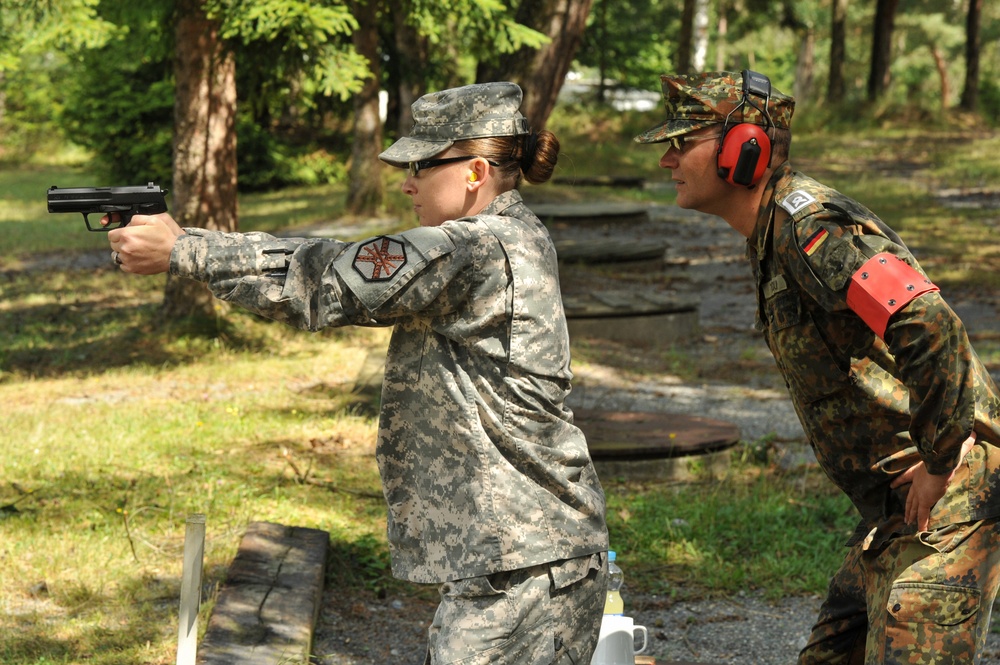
x=700 y=100
x=469 y=112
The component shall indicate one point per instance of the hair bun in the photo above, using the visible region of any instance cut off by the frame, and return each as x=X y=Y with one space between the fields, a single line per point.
x=528 y=151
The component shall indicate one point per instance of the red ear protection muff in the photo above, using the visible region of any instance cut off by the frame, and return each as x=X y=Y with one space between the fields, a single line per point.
x=745 y=149
x=744 y=154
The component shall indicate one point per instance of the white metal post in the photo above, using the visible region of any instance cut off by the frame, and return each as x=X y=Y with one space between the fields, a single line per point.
x=194 y=552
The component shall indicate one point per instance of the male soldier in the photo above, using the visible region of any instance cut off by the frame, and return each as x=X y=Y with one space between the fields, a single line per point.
x=900 y=411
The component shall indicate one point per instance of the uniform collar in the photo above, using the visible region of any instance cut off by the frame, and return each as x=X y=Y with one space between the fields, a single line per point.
x=765 y=214
x=505 y=200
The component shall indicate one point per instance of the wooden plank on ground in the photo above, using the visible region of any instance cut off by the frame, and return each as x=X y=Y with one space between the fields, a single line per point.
x=267 y=608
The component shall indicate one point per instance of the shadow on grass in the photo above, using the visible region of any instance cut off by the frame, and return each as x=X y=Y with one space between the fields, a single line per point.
x=130 y=617
x=85 y=322
x=144 y=626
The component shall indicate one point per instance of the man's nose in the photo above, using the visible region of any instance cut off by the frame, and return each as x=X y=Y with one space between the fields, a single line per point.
x=669 y=159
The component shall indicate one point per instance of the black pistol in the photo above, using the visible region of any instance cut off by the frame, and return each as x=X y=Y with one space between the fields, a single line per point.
x=126 y=201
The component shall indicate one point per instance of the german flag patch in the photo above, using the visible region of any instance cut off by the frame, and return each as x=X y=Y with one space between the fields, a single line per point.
x=814 y=241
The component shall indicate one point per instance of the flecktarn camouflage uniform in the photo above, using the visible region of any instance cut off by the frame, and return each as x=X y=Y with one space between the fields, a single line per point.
x=489 y=484
x=872 y=406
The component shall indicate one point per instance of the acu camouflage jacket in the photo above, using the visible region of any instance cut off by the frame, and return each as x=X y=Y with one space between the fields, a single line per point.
x=871 y=407
x=481 y=465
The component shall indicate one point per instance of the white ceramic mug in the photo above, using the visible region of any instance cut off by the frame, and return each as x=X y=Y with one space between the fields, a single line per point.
x=616 y=644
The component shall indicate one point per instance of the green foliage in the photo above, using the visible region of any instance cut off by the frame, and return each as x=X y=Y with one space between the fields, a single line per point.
x=267 y=163
x=116 y=429
x=38 y=41
x=283 y=40
x=483 y=27
x=31 y=27
x=625 y=40
x=989 y=101
x=123 y=113
x=34 y=97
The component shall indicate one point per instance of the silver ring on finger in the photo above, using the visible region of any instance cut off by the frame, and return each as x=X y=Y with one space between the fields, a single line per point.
x=116 y=257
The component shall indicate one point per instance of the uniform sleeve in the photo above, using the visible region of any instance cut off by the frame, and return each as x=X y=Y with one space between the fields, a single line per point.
x=935 y=360
x=925 y=337
x=319 y=283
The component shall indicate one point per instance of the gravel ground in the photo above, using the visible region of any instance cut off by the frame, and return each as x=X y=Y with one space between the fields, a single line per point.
x=746 y=630
x=704 y=262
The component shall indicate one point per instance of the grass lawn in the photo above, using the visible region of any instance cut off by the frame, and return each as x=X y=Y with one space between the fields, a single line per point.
x=116 y=428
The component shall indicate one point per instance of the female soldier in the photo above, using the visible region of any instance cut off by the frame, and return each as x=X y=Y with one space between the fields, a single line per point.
x=490 y=488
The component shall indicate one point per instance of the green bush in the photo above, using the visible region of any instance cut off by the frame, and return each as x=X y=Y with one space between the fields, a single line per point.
x=123 y=113
x=265 y=163
x=29 y=109
x=989 y=101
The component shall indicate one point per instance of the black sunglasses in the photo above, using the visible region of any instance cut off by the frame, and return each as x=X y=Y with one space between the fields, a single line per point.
x=414 y=168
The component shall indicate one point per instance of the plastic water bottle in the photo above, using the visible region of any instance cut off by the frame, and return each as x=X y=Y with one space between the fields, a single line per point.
x=614 y=603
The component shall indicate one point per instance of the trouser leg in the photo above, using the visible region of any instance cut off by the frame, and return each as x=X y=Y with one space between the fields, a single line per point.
x=544 y=615
x=842 y=625
x=924 y=599
x=933 y=596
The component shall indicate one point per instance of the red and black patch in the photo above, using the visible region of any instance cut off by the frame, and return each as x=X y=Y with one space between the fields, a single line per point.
x=379 y=259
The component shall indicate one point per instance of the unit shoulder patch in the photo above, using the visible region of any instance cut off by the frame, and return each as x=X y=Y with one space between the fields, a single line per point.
x=797 y=200
x=379 y=259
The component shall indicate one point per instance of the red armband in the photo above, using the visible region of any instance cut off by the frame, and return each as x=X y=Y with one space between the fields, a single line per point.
x=883 y=286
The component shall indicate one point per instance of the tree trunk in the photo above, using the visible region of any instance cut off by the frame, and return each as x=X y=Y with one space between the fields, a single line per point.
x=805 y=65
x=412 y=50
x=365 y=193
x=541 y=72
x=684 y=44
x=700 y=51
x=723 y=34
x=885 y=20
x=835 y=89
x=204 y=173
x=942 y=69
x=600 y=25
x=970 y=93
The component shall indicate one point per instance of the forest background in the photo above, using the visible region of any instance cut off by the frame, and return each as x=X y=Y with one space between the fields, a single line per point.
x=130 y=404
x=165 y=90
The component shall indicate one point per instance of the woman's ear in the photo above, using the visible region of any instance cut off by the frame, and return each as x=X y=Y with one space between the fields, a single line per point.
x=479 y=170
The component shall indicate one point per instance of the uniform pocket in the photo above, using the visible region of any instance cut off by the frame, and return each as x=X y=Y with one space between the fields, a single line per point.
x=933 y=603
x=800 y=349
x=499 y=618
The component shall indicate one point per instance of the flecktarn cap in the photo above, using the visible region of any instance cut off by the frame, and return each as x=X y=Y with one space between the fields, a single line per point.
x=700 y=100
x=469 y=112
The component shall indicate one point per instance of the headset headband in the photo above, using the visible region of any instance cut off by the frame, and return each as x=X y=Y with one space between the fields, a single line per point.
x=754 y=85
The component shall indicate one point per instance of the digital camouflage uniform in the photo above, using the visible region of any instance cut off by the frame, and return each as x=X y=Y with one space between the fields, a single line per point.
x=489 y=484
x=872 y=405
